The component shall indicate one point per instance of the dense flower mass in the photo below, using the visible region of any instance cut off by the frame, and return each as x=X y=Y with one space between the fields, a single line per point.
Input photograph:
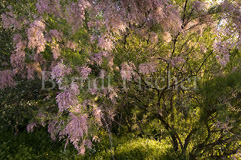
x=97 y=58
x=60 y=70
x=84 y=72
x=146 y=68
x=126 y=71
x=7 y=79
x=105 y=43
x=36 y=39
x=49 y=6
x=222 y=48
x=17 y=59
x=9 y=20
x=54 y=34
x=75 y=130
x=76 y=13
x=68 y=98
x=56 y=51
x=54 y=127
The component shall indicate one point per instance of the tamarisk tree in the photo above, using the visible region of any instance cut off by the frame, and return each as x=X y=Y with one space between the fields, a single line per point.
x=172 y=63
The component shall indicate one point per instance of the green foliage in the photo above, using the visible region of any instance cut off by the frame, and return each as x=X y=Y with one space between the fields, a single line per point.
x=20 y=105
x=38 y=145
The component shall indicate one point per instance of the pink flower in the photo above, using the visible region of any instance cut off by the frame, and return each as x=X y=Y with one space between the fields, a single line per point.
x=56 y=51
x=9 y=20
x=222 y=50
x=72 y=45
x=93 y=90
x=17 y=38
x=177 y=60
x=36 y=37
x=54 y=127
x=113 y=20
x=113 y=95
x=76 y=13
x=31 y=126
x=60 y=70
x=102 y=73
x=30 y=71
x=43 y=6
x=105 y=43
x=68 y=98
x=98 y=114
x=146 y=68
x=54 y=34
x=20 y=46
x=6 y=79
x=198 y=6
x=49 y=6
x=126 y=71
x=85 y=71
x=75 y=130
x=17 y=59
x=97 y=58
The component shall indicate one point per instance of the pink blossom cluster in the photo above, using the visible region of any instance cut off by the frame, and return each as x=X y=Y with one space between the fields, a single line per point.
x=9 y=20
x=49 y=7
x=75 y=130
x=18 y=56
x=147 y=68
x=102 y=73
x=126 y=71
x=7 y=79
x=222 y=50
x=85 y=71
x=224 y=59
x=54 y=127
x=198 y=5
x=177 y=60
x=30 y=71
x=148 y=12
x=20 y=46
x=97 y=58
x=105 y=43
x=43 y=6
x=54 y=34
x=17 y=59
x=76 y=13
x=113 y=20
x=60 y=70
x=17 y=38
x=232 y=16
x=68 y=98
x=113 y=95
x=31 y=126
x=56 y=51
x=36 y=37
x=72 y=45
x=97 y=114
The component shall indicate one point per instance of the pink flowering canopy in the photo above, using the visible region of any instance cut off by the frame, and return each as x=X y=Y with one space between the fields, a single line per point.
x=100 y=53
